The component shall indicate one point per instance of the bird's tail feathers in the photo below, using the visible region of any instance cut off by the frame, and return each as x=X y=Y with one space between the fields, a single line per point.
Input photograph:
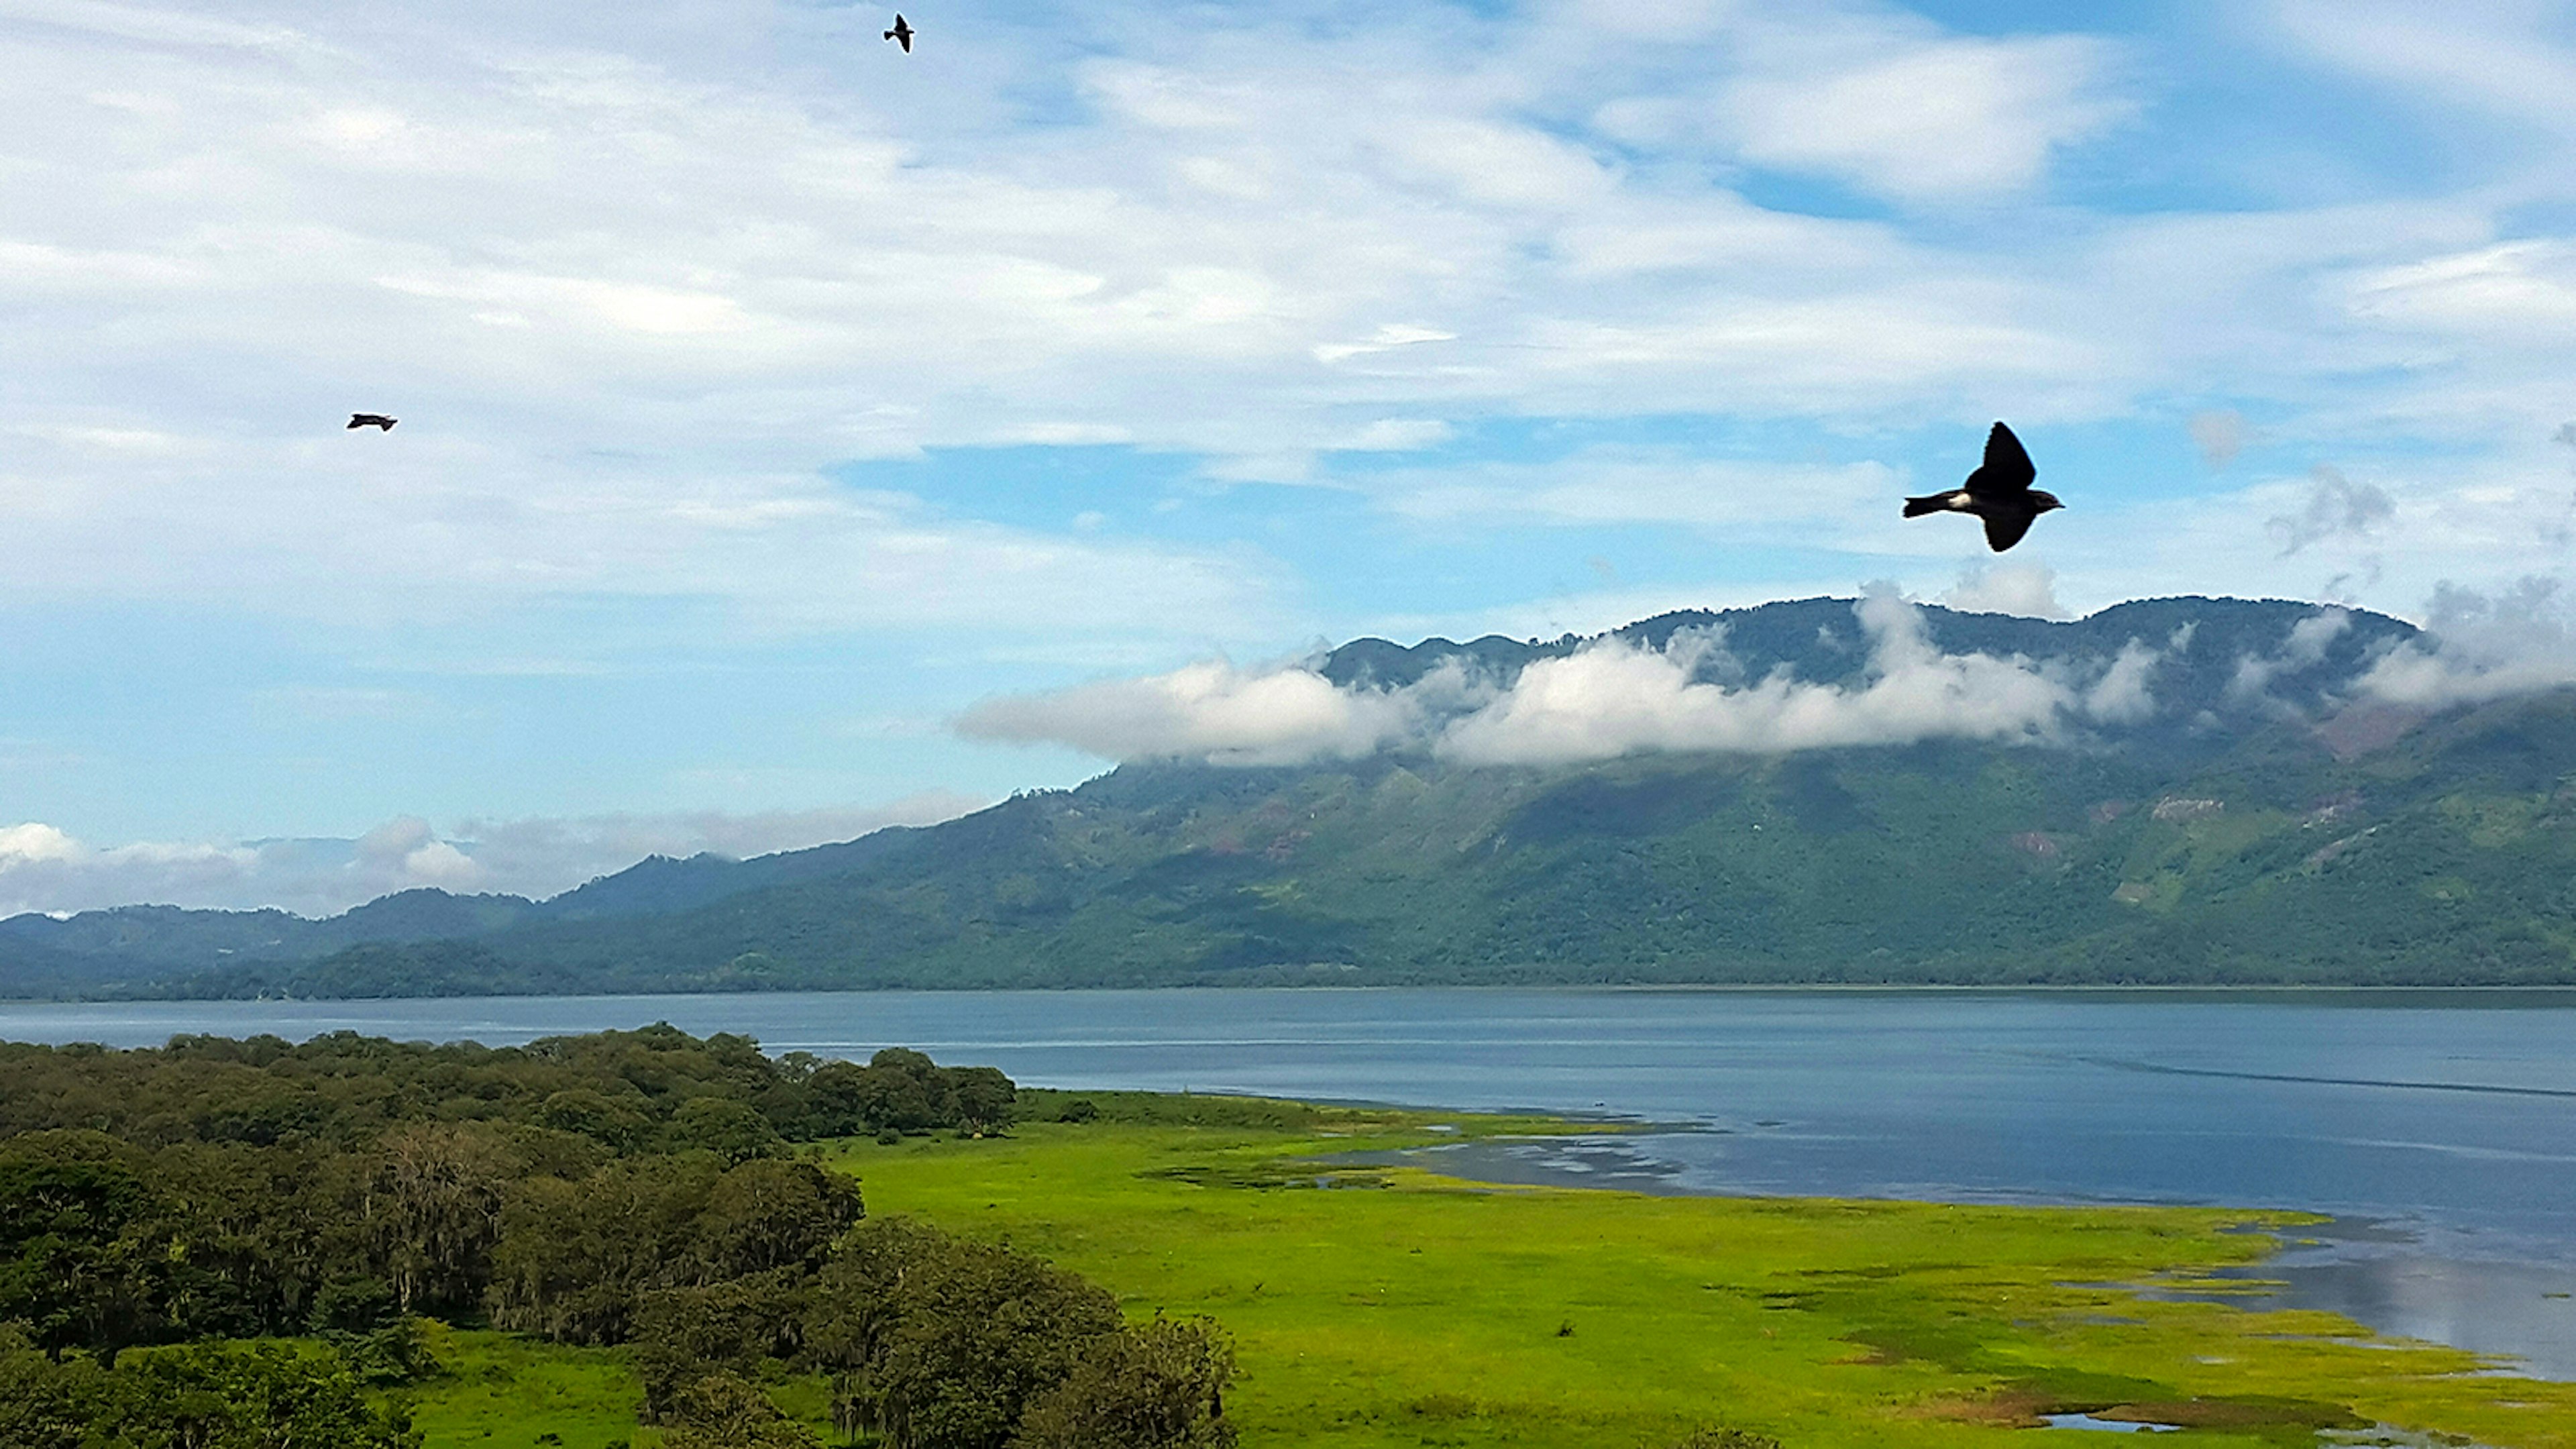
x=1917 y=507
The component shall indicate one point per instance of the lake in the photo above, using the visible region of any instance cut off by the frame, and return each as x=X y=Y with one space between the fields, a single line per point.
x=2438 y=1128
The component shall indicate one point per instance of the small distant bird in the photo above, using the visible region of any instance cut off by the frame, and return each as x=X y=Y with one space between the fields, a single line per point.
x=1998 y=492
x=901 y=34
x=371 y=420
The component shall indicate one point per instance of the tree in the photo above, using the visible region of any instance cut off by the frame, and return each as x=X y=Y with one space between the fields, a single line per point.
x=1158 y=1386
x=726 y=1411
x=616 y=1123
x=201 y=1396
x=734 y=1131
x=768 y=1214
x=942 y=1343
x=904 y=1091
x=684 y=1334
x=432 y=1210
x=575 y=1256
x=983 y=1098
x=83 y=1262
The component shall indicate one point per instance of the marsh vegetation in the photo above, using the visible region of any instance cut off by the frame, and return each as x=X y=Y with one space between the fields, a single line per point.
x=646 y=1237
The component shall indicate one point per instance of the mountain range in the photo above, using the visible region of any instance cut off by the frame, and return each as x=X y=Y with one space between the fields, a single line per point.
x=2175 y=791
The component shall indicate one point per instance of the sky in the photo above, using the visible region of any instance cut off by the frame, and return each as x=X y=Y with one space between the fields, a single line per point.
x=779 y=411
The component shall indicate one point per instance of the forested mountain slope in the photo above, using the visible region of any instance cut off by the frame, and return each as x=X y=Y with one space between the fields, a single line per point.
x=2244 y=813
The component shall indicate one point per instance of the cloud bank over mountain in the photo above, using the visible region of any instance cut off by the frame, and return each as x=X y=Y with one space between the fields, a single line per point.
x=1610 y=697
x=2481 y=647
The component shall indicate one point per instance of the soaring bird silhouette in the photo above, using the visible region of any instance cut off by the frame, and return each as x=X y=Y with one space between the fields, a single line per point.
x=1998 y=492
x=901 y=34
x=371 y=420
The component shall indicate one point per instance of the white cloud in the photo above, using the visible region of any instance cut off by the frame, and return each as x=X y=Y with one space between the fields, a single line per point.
x=1210 y=711
x=1608 y=698
x=33 y=843
x=2029 y=590
x=2335 y=508
x=2219 y=433
x=2519 y=293
x=1919 y=116
x=2304 y=647
x=632 y=304
x=2482 y=647
x=2122 y=695
x=1626 y=486
x=2498 y=58
x=43 y=868
x=1613 y=699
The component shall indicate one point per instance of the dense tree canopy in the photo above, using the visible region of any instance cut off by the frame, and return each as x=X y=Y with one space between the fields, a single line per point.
x=158 y=1208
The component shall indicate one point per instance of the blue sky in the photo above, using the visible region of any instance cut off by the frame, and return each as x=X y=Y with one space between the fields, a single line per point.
x=771 y=400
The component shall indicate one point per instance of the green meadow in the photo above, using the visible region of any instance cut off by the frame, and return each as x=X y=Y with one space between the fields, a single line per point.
x=1376 y=1306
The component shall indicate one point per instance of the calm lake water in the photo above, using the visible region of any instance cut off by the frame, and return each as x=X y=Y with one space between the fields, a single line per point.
x=2439 y=1128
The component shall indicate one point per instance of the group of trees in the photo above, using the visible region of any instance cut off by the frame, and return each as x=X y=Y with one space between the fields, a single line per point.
x=654 y=1091
x=202 y=1396
x=931 y=1341
x=634 y=1187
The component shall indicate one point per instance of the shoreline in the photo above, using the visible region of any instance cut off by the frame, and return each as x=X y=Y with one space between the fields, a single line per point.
x=2519 y=1308
x=2552 y=990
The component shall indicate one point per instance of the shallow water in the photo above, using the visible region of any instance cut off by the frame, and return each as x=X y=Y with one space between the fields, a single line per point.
x=2439 y=1128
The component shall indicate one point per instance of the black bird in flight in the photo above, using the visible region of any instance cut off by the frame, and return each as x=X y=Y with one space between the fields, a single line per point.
x=1998 y=492
x=901 y=34
x=371 y=420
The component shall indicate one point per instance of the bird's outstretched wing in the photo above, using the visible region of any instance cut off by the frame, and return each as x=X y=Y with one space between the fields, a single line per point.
x=2007 y=468
x=2003 y=530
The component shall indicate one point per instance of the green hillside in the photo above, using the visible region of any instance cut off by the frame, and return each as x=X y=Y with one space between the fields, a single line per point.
x=2286 y=835
x=2445 y=858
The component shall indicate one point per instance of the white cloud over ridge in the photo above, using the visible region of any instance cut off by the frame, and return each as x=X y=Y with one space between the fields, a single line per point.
x=2479 y=647
x=45 y=869
x=1607 y=699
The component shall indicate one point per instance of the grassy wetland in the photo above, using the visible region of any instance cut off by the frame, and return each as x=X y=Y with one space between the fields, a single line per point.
x=646 y=1237
x=1406 y=1308
x=1395 y=1307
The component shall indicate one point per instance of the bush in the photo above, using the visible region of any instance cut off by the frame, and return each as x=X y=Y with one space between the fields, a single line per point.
x=726 y=1411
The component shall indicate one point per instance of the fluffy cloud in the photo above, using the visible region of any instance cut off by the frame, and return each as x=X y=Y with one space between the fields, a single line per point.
x=2335 y=508
x=43 y=868
x=1604 y=486
x=2304 y=647
x=634 y=288
x=2029 y=590
x=2219 y=433
x=2483 y=646
x=1211 y=711
x=1607 y=699
x=1920 y=116
x=1615 y=699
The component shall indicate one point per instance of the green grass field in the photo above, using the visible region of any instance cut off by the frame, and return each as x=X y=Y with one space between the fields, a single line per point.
x=1394 y=1307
